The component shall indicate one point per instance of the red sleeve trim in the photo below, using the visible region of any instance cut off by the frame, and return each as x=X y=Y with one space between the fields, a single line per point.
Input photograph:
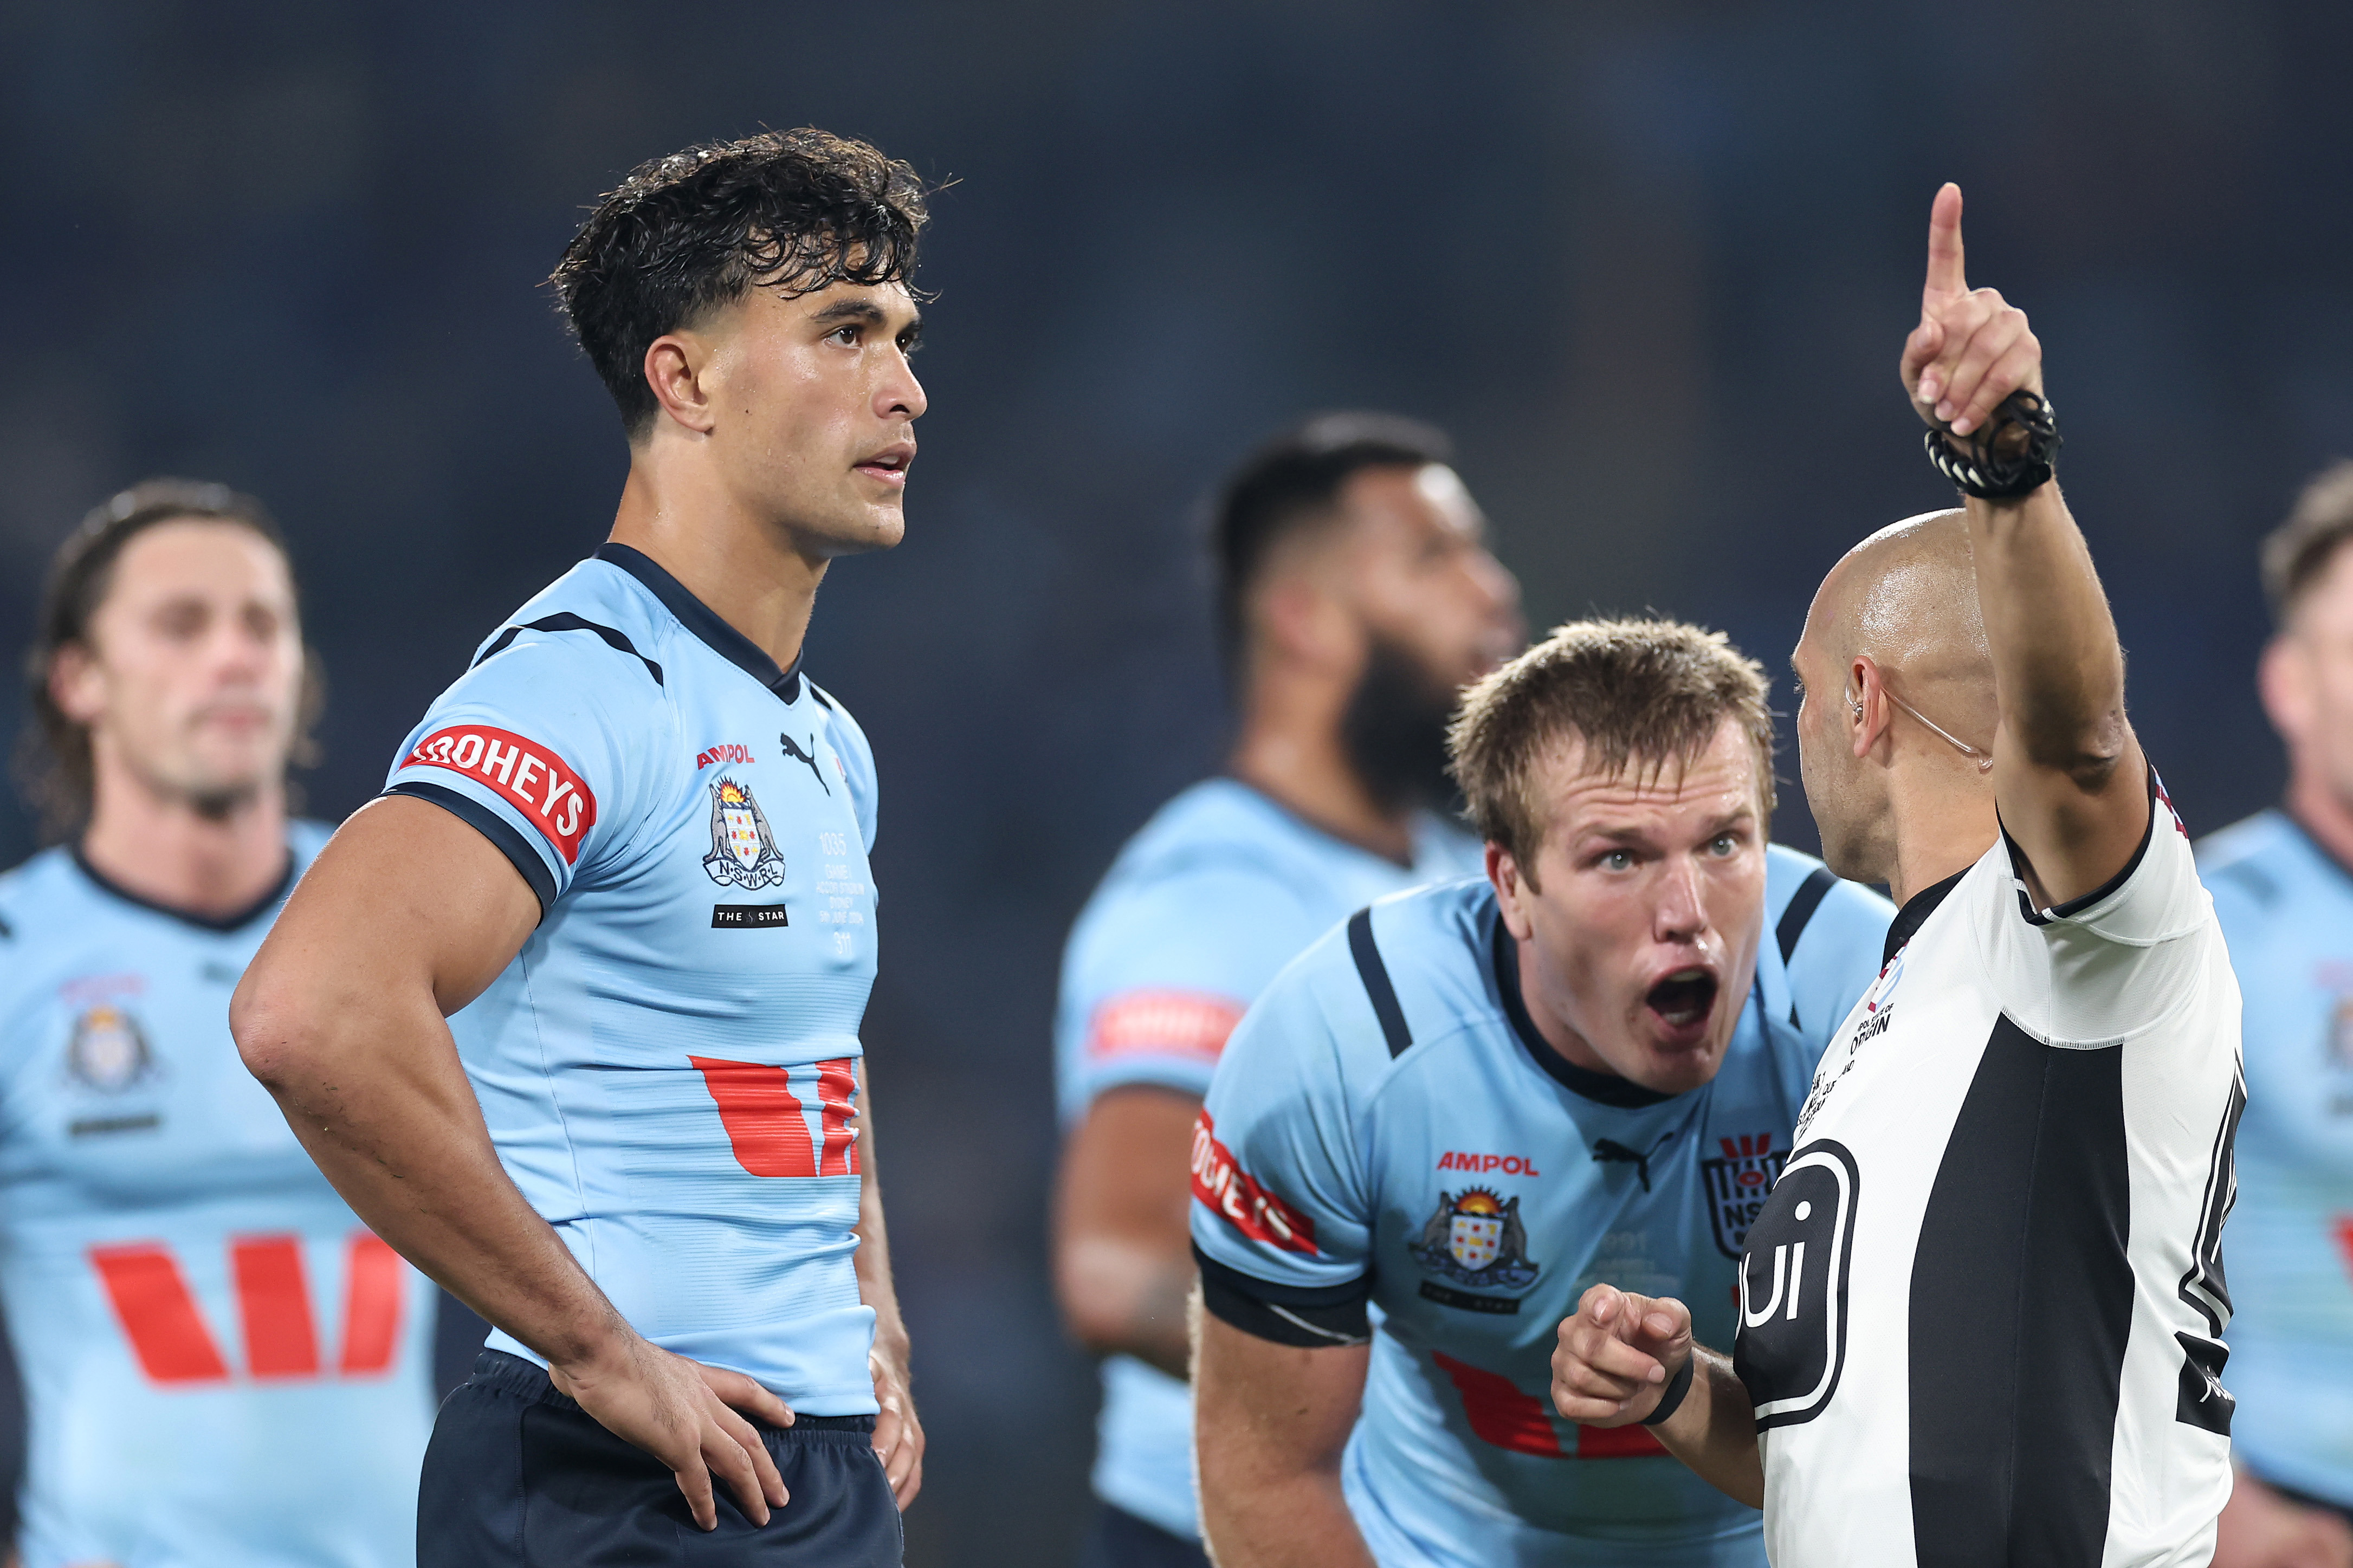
x=532 y=778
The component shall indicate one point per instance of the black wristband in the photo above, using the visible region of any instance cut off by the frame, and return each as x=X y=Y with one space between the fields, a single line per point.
x=1977 y=469
x=1672 y=1399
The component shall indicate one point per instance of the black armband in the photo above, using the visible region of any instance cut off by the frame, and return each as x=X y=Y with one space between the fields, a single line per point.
x=2015 y=453
x=1313 y=1316
x=1672 y=1399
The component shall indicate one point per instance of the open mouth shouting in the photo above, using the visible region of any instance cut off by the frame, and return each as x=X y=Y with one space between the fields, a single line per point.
x=1681 y=1002
x=889 y=465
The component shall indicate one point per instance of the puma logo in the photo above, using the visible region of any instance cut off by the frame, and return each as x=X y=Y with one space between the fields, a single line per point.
x=809 y=756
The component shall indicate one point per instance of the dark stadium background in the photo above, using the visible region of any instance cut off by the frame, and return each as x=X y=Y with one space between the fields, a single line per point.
x=1651 y=264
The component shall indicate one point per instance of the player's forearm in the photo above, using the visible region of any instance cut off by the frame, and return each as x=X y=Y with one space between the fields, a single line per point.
x=1271 y=1422
x=1296 y=1520
x=1123 y=1297
x=2058 y=668
x=373 y=1087
x=1714 y=1431
x=876 y=1286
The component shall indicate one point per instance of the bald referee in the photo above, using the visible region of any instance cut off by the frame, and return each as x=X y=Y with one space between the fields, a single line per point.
x=1981 y=1314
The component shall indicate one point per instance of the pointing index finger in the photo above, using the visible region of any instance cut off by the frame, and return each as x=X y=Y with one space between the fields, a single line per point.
x=1945 y=275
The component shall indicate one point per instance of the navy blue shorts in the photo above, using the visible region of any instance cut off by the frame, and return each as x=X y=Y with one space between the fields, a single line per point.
x=518 y=1476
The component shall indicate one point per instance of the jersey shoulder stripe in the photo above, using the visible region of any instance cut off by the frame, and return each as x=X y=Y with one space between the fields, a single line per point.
x=1366 y=952
x=565 y=621
x=1800 y=909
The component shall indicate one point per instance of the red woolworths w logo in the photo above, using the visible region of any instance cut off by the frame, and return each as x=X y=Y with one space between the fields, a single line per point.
x=1235 y=1196
x=532 y=778
x=763 y=1120
x=167 y=1328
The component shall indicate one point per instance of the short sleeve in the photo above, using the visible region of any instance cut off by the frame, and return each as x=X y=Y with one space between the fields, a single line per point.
x=1279 y=1196
x=542 y=749
x=1835 y=959
x=2098 y=970
x=855 y=756
x=1158 y=971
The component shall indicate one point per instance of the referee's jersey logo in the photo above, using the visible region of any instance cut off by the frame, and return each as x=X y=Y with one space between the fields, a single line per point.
x=1791 y=1344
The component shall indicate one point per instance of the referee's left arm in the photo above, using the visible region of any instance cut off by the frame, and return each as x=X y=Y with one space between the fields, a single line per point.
x=2069 y=777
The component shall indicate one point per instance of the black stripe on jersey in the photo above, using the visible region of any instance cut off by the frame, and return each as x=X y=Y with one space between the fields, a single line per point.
x=1795 y=918
x=492 y=826
x=2022 y=1303
x=1915 y=914
x=705 y=622
x=2204 y=1286
x=1312 y=1317
x=1375 y=976
x=1802 y=905
x=566 y=621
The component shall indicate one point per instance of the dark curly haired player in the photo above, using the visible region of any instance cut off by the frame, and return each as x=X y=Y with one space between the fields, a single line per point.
x=626 y=856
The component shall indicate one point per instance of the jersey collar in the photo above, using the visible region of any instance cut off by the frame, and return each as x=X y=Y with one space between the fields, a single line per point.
x=1915 y=914
x=1603 y=1087
x=705 y=622
x=222 y=924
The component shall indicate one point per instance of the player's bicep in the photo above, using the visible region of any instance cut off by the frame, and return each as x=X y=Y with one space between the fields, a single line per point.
x=1268 y=1411
x=406 y=893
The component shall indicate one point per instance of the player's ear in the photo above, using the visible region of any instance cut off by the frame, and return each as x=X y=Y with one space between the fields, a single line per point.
x=1306 y=625
x=1511 y=891
x=2284 y=678
x=76 y=683
x=675 y=366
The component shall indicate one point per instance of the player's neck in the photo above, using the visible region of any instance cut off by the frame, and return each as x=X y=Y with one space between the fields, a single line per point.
x=1304 y=768
x=165 y=849
x=1937 y=831
x=745 y=571
x=2321 y=811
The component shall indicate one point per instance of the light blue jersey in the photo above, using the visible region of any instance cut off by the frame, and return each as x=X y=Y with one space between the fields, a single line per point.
x=1215 y=894
x=2287 y=911
x=221 y=1364
x=669 y=1066
x=1386 y=1124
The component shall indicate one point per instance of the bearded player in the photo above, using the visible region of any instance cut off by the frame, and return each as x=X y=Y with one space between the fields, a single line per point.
x=1357 y=595
x=1982 y=1314
x=1452 y=1113
x=625 y=856
x=221 y=1363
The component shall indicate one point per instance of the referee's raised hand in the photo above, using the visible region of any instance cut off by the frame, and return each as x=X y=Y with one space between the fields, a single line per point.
x=1617 y=1354
x=1972 y=347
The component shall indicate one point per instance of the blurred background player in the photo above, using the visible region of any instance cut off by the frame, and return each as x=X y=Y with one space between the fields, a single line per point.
x=2282 y=887
x=1476 y=1098
x=221 y=1363
x=1355 y=594
x=638 y=834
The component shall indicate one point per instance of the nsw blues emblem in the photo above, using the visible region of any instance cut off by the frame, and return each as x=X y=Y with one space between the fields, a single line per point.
x=1737 y=1182
x=107 y=1051
x=742 y=850
x=1475 y=1238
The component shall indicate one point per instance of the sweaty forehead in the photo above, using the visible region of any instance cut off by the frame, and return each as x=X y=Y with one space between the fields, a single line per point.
x=1585 y=795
